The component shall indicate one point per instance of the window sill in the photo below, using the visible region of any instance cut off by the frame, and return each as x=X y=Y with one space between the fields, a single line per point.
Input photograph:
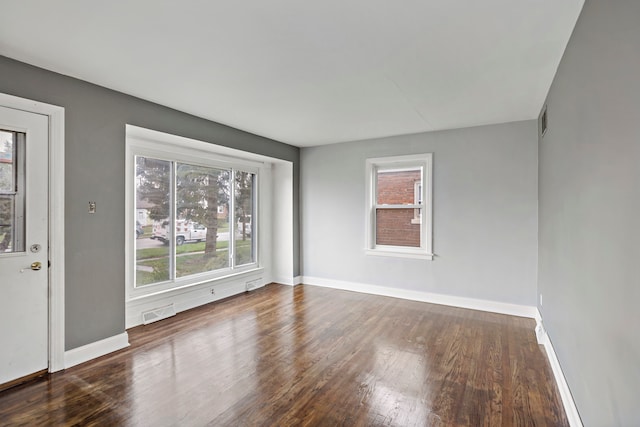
x=399 y=254
x=146 y=292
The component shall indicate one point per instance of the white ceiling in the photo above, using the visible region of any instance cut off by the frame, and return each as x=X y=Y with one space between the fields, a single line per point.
x=307 y=73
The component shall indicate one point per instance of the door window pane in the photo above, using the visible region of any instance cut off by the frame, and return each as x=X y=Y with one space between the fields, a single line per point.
x=153 y=216
x=245 y=218
x=7 y=170
x=12 y=197
x=202 y=195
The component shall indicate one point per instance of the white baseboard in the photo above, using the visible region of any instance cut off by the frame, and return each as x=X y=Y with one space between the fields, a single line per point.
x=565 y=393
x=450 y=300
x=289 y=281
x=95 y=349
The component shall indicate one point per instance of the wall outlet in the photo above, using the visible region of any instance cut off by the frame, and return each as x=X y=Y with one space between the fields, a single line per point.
x=213 y=291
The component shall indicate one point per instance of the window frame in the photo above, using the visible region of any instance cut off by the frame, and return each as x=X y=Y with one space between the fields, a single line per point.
x=417 y=200
x=202 y=154
x=408 y=162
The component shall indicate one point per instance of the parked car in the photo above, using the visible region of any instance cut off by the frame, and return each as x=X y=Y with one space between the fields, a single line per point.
x=185 y=231
x=247 y=225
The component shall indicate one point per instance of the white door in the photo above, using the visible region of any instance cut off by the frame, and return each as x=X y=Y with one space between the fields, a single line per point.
x=23 y=244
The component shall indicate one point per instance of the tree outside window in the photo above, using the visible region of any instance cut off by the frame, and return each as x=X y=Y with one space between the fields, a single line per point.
x=193 y=227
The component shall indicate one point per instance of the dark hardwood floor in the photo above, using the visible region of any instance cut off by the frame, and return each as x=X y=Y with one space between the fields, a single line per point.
x=282 y=356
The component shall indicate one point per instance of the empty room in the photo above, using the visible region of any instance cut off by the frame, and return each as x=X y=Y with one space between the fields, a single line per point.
x=332 y=213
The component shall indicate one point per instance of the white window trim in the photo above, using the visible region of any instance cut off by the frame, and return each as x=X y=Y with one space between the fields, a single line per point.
x=143 y=142
x=397 y=163
x=417 y=218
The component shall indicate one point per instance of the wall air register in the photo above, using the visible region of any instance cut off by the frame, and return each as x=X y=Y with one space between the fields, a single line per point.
x=159 y=313
x=254 y=284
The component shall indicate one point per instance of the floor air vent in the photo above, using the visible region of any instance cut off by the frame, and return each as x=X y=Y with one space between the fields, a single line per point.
x=158 y=314
x=254 y=284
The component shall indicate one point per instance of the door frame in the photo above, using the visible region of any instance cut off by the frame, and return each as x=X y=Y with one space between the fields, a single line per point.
x=55 y=221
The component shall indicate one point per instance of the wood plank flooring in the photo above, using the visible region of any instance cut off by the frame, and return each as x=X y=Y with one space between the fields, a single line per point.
x=308 y=356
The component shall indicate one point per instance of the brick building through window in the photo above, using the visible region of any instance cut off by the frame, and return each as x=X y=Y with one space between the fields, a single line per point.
x=399 y=206
x=398 y=227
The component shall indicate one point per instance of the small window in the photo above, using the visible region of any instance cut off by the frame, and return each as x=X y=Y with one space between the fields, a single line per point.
x=399 y=206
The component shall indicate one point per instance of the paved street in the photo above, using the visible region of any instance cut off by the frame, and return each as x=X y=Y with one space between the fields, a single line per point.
x=147 y=242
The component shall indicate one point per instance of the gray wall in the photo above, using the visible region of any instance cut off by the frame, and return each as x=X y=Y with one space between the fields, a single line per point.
x=95 y=170
x=589 y=214
x=485 y=213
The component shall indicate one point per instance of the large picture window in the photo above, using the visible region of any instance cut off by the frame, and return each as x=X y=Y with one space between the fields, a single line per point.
x=195 y=218
x=399 y=206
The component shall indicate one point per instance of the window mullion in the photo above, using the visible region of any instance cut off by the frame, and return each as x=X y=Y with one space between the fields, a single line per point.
x=232 y=219
x=172 y=223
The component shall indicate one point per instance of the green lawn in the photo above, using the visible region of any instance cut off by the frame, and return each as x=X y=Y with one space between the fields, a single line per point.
x=183 y=249
x=186 y=264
